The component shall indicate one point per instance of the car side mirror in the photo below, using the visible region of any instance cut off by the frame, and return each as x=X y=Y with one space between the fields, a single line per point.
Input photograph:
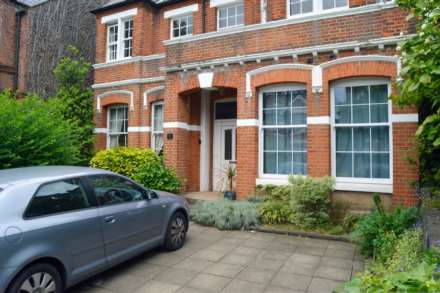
x=149 y=195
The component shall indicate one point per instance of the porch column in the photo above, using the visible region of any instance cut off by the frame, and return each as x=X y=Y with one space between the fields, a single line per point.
x=205 y=142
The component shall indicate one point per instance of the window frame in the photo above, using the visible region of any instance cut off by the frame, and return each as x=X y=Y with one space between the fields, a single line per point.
x=109 y=133
x=92 y=199
x=227 y=6
x=317 y=9
x=361 y=184
x=153 y=132
x=179 y=18
x=275 y=88
x=120 y=44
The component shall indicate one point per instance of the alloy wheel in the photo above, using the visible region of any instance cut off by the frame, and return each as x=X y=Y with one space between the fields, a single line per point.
x=39 y=283
x=178 y=230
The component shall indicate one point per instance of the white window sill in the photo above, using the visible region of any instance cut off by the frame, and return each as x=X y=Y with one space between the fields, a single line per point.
x=363 y=186
x=341 y=185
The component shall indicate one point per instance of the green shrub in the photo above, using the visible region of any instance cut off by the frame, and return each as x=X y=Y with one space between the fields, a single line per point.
x=157 y=176
x=226 y=214
x=407 y=252
x=33 y=132
x=275 y=212
x=406 y=268
x=310 y=200
x=142 y=165
x=371 y=230
x=422 y=278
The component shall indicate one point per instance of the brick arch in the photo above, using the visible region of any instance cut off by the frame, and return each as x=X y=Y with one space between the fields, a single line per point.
x=115 y=97
x=278 y=73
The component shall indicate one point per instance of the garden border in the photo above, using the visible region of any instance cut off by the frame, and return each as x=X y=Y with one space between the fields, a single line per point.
x=299 y=233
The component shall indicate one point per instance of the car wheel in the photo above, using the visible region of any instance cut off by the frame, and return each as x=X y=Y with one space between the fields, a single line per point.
x=176 y=232
x=39 y=278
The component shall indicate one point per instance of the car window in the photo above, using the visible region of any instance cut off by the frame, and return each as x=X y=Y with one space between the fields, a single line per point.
x=58 y=197
x=111 y=190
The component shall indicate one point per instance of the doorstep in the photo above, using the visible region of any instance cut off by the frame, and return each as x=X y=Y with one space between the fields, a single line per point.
x=194 y=197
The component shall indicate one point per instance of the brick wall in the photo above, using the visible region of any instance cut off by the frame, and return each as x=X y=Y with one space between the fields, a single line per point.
x=7 y=48
x=182 y=92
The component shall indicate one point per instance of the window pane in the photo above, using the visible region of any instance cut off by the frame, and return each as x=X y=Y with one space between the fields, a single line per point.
x=295 y=8
x=270 y=163
x=379 y=113
x=269 y=100
x=299 y=163
x=381 y=165
x=283 y=99
x=158 y=117
x=341 y=3
x=240 y=19
x=222 y=22
x=284 y=163
x=222 y=13
x=307 y=6
x=379 y=93
x=343 y=114
x=284 y=117
x=158 y=142
x=361 y=139
x=342 y=95
x=176 y=33
x=361 y=114
x=360 y=95
x=231 y=21
x=58 y=197
x=114 y=190
x=327 y=4
x=343 y=140
x=122 y=140
x=344 y=164
x=380 y=139
x=270 y=139
x=183 y=31
x=299 y=116
x=285 y=139
x=299 y=99
x=228 y=144
x=299 y=139
x=362 y=165
x=269 y=117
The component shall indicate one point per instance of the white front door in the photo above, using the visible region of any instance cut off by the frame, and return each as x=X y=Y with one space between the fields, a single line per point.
x=224 y=151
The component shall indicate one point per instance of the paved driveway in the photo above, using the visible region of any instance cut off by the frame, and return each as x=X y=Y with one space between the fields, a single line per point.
x=237 y=261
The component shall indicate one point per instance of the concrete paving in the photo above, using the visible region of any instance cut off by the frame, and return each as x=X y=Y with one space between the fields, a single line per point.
x=234 y=261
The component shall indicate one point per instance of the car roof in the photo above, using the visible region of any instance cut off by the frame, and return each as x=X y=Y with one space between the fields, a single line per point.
x=16 y=176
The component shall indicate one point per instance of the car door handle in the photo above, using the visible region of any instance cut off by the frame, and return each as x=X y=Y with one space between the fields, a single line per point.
x=110 y=220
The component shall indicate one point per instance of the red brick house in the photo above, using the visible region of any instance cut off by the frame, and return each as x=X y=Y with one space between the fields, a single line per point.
x=275 y=87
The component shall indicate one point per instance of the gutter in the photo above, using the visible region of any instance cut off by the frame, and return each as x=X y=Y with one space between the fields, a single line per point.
x=18 y=16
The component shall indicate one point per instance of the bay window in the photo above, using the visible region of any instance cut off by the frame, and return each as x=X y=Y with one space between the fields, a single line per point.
x=283 y=112
x=362 y=130
x=157 y=127
x=117 y=126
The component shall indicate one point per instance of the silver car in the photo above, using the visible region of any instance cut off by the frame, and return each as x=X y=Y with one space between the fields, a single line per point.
x=61 y=225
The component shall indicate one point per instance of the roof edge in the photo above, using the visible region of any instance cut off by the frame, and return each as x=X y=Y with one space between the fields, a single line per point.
x=127 y=2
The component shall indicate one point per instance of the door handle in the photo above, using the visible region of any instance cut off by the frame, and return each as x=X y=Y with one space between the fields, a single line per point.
x=110 y=220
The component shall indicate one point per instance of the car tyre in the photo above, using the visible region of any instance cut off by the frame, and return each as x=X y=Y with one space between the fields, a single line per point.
x=38 y=278
x=176 y=232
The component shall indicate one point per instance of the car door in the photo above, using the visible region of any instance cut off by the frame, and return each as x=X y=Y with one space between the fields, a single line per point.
x=126 y=216
x=63 y=217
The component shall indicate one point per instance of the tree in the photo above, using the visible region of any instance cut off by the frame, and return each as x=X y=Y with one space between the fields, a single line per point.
x=33 y=133
x=420 y=83
x=76 y=100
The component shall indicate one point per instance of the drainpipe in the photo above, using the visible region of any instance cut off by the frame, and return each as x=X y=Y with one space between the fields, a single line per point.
x=204 y=16
x=18 y=16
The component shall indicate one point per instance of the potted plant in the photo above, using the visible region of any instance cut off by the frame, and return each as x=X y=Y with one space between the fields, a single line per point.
x=229 y=174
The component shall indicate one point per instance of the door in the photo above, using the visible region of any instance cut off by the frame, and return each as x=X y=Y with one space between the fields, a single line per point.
x=225 y=134
x=130 y=222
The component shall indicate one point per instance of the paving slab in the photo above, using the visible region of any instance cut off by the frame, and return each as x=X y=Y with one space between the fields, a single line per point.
x=234 y=261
